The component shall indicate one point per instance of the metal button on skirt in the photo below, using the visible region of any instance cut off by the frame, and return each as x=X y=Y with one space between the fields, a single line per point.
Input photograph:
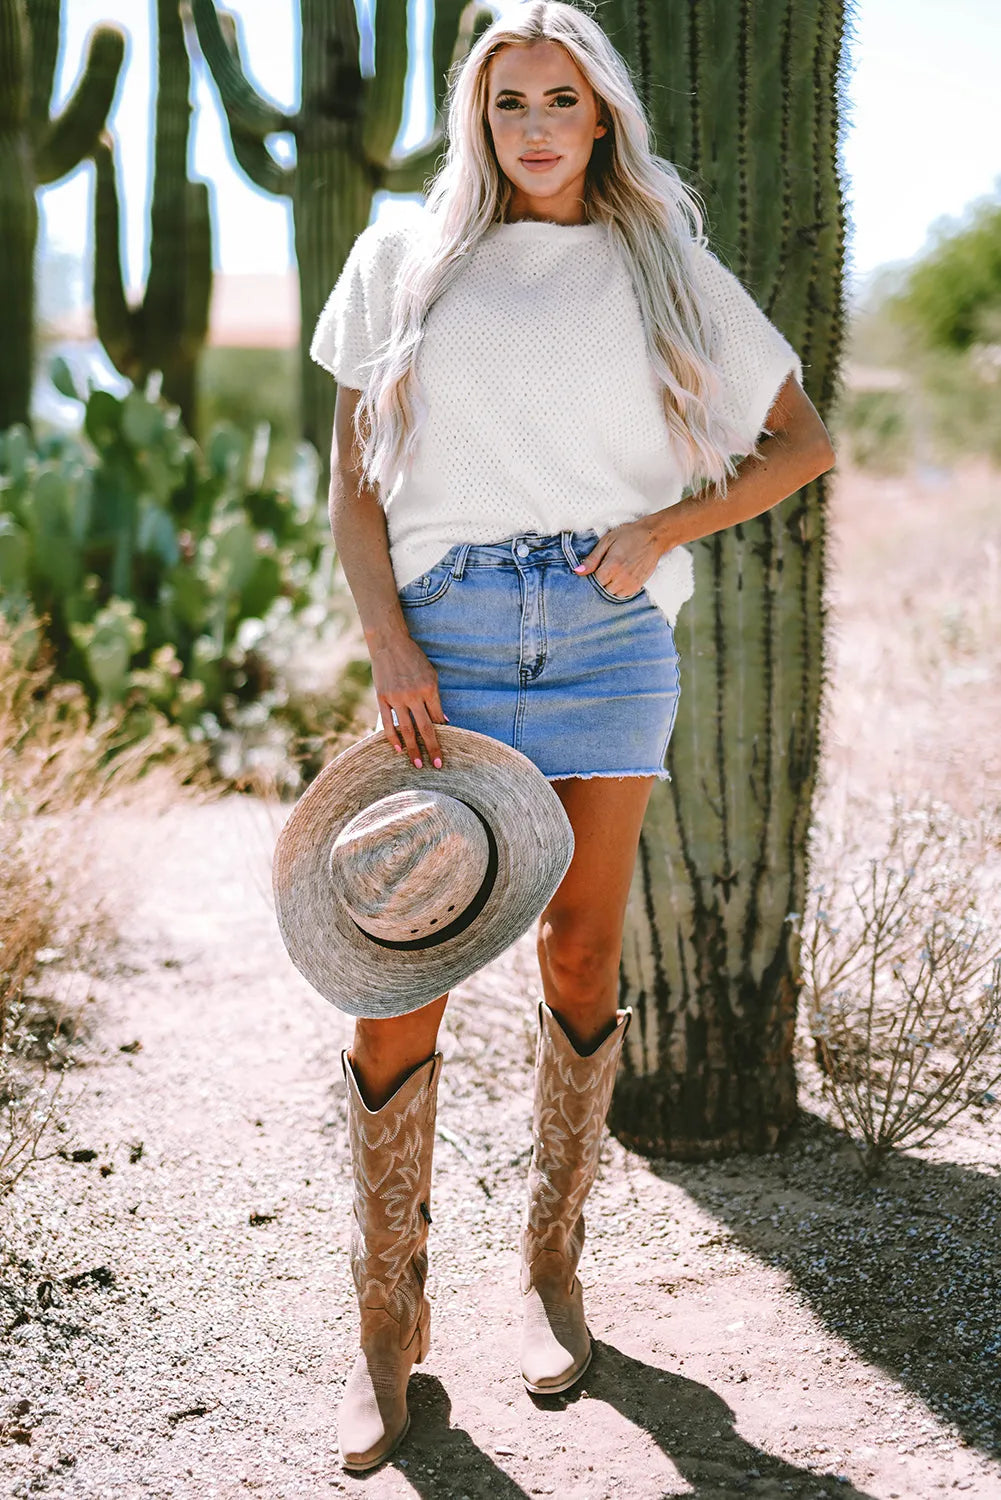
x=582 y=682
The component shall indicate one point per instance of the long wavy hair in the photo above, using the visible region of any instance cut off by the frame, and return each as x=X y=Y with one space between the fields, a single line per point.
x=651 y=215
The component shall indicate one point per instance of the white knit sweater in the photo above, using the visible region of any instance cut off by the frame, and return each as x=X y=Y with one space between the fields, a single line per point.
x=544 y=412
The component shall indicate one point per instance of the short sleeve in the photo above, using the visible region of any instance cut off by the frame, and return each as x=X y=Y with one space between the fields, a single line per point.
x=753 y=357
x=357 y=316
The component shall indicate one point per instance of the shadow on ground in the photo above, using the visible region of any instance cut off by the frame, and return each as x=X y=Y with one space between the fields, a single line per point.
x=906 y=1269
x=691 y=1424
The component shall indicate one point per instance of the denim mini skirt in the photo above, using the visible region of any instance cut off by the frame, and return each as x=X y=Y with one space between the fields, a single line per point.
x=582 y=682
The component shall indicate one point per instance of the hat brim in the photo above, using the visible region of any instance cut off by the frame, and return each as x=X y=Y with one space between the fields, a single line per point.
x=534 y=842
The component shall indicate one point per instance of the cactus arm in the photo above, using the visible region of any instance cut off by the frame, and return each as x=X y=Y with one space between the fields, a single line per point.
x=15 y=45
x=164 y=300
x=457 y=23
x=71 y=136
x=256 y=162
x=198 y=278
x=248 y=126
x=384 y=91
x=245 y=108
x=18 y=220
x=43 y=18
x=457 y=26
x=118 y=325
x=408 y=174
x=251 y=150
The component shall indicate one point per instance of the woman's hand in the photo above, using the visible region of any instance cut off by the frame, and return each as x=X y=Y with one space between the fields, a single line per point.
x=405 y=680
x=623 y=559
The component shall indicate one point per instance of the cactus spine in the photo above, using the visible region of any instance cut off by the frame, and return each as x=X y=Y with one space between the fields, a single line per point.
x=167 y=331
x=746 y=100
x=344 y=132
x=36 y=149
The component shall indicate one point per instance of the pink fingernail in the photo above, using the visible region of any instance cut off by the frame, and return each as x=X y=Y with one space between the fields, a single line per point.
x=398 y=749
x=438 y=764
x=418 y=763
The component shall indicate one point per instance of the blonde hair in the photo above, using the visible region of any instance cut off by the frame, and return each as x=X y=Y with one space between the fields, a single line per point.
x=651 y=216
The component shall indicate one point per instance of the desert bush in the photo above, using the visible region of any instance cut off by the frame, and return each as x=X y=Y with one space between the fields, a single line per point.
x=59 y=765
x=901 y=962
x=158 y=566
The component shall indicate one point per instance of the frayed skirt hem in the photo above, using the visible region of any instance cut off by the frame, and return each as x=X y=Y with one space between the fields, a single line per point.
x=661 y=775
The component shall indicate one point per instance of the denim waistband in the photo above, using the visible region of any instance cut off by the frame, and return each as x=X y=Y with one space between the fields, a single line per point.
x=528 y=549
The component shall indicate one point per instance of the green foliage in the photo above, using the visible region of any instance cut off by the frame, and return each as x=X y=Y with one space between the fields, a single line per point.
x=159 y=566
x=952 y=295
x=937 y=323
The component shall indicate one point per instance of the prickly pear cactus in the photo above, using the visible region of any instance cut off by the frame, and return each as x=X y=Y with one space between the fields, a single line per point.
x=37 y=148
x=156 y=564
x=344 y=132
x=746 y=101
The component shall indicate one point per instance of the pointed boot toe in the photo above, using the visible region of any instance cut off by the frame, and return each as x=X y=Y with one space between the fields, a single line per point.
x=373 y=1419
x=555 y=1343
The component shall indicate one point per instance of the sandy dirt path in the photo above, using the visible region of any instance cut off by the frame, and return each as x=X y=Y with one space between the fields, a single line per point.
x=178 y=1315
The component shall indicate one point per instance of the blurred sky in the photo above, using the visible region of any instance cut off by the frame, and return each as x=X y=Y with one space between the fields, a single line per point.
x=921 y=138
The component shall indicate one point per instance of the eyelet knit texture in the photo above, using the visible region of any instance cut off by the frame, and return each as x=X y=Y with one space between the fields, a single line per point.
x=543 y=411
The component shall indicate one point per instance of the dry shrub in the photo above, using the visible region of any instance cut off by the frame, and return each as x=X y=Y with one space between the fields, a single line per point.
x=901 y=960
x=59 y=765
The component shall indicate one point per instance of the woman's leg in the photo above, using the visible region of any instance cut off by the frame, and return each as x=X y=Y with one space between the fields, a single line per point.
x=386 y=1051
x=580 y=931
x=581 y=1032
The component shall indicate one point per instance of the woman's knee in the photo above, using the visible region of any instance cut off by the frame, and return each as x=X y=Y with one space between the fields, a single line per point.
x=579 y=961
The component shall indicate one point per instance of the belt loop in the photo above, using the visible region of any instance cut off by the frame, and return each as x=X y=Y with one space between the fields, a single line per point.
x=459 y=566
x=566 y=541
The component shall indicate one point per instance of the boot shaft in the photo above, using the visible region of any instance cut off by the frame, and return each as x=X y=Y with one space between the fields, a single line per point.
x=391 y=1159
x=573 y=1093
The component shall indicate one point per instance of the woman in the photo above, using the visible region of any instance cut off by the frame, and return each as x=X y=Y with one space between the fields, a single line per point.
x=531 y=369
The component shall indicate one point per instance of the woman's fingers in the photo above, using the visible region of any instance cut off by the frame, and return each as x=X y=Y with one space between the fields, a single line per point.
x=389 y=729
x=414 y=718
x=428 y=734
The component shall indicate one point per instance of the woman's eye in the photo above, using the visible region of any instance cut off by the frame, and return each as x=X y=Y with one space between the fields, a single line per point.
x=557 y=99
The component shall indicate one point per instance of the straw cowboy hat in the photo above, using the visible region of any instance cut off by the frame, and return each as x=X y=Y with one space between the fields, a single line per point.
x=392 y=884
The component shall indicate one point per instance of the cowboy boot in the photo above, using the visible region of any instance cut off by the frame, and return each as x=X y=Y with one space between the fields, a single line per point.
x=572 y=1096
x=391 y=1151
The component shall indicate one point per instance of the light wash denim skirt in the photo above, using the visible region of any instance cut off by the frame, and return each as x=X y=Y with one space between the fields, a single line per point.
x=582 y=682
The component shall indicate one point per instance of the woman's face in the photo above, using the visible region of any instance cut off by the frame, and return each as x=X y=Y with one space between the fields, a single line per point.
x=539 y=105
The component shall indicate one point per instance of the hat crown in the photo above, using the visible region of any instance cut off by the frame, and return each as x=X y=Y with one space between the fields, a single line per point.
x=409 y=864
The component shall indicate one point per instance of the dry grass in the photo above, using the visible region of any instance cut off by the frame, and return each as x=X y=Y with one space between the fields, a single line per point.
x=915 y=635
x=59 y=767
x=910 y=744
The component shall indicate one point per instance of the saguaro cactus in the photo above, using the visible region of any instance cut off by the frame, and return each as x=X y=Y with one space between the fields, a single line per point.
x=344 y=132
x=37 y=148
x=746 y=101
x=167 y=330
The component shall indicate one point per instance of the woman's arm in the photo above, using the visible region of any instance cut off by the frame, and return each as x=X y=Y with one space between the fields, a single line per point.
x=404 y=678
x=798 y=451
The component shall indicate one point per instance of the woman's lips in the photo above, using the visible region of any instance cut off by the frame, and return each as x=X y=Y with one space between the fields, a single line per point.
x=539 y=163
